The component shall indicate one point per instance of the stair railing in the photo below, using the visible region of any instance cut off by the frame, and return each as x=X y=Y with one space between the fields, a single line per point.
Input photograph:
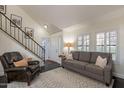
x=19 y=35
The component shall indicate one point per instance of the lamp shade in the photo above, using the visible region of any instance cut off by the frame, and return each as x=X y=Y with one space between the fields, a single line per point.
x=68 y=44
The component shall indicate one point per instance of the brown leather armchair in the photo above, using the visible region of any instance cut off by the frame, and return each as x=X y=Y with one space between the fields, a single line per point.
x=25 y=74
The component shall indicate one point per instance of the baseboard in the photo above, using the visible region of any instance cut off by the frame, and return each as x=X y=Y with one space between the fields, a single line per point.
x=118 y=75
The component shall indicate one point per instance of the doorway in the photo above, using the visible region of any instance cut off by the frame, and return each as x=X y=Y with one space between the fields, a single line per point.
x=55 y=47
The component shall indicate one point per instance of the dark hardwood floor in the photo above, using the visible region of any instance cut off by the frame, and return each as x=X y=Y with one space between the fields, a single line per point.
x=49 y=65
x=119 y=83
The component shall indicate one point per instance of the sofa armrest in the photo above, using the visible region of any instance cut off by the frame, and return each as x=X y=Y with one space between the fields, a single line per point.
x=108 y=72
x=63 y=57
x=36 y=62
x=16 y=69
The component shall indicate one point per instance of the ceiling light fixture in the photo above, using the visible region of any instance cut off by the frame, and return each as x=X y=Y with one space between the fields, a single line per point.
x=45 y=26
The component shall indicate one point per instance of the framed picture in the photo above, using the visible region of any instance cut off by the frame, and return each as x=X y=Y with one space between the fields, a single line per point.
x=29 y=32
x=17 y=20
x=3 y=9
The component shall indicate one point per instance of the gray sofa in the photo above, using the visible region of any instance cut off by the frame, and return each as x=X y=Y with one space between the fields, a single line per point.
x=84 y=63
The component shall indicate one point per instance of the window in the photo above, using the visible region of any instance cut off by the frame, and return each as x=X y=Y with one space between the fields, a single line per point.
x=107 y=42
x=100 y=42
x=83 y=43
x=80 y=42
x=111 y=43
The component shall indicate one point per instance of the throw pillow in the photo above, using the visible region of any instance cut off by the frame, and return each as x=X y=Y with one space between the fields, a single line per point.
x=69 y=56
x=21 y=63
x=101 y=62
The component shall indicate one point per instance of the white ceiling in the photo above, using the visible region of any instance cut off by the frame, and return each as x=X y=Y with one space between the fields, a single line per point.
x=62 y=16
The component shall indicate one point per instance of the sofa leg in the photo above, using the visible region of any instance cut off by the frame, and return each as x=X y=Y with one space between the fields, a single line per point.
x=8 y=81
x=28 y=83
x=107 y=84
x=28 y=78
x=62 y=67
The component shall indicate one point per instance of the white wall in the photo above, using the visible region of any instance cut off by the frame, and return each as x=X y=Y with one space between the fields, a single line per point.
x=27 y=21
x=7 y=44
x=108 y=22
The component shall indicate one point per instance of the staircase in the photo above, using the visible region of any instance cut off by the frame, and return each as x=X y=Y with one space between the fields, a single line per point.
x=20 y=36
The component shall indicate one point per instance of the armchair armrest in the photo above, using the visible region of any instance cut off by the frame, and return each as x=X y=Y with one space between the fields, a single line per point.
x=36 y=62
x=16 y=69
x=108 y=72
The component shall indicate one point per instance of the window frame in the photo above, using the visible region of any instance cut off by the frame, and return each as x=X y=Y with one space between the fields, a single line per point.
x=105 y=43
x=84 y=45
x=100 y=45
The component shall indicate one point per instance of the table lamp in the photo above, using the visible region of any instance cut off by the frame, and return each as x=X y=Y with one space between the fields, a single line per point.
x=68 y=45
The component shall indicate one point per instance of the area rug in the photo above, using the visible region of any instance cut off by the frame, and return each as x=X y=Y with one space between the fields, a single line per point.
x=60 y=78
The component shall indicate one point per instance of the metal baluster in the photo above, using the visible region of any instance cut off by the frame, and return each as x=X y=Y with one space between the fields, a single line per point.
x=25 y=40
x=37 y=49
x=22 y=37
x=1 y=20
x=39 y=52
x=14 y=33
x=18 y=36
x=10 y=28
x=5 y=24
x=28 y=43
x=34 y=47
x=31 y=46
x=44 y=53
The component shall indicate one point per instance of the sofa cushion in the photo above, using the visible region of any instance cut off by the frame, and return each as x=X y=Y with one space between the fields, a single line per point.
x=76 y=64
x=75 y=55
x=94 y=56
x=94 y=69
x=84 y=56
